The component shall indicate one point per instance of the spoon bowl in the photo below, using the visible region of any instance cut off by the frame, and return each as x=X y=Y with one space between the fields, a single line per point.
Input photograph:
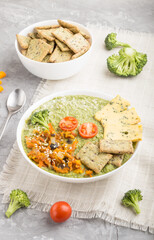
x=15 y=102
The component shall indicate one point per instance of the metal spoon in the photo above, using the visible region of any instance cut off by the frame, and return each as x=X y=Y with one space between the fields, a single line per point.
x=15 y=102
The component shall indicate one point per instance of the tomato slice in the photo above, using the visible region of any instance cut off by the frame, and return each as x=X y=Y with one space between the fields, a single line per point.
x=88 y=130
x=68 y=123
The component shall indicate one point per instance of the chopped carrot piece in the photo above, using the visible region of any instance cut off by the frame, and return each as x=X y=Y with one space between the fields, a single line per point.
x=1 y=88
x=0 y=82
x=2 y=74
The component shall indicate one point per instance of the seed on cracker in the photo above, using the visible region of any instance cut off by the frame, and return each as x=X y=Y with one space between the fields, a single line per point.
x=77 y=43
x=23 y=41
x=62 y=34
x=76 y=55
x=47 y=26
x=37 y=50
x=59 y=56
x=47 y=34
x=62 y=46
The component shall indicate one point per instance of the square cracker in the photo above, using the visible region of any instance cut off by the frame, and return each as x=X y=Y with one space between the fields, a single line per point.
x=59 y=56
x=128 y=116
x=23 y=41
x=70 y=26
x=37 y=50
x=46 y=33
x=62 y=46
x=77 y=43
x=62 y=34
x=91 y=158
x=123 y=132
x=116 y=160
x=73 y=28
x=116 y=105
x=116 y=146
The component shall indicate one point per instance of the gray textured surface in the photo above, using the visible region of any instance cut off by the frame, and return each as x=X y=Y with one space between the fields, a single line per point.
x=137 y=15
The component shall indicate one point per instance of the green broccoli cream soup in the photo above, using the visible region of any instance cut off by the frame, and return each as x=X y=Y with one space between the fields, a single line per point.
x=81 y=107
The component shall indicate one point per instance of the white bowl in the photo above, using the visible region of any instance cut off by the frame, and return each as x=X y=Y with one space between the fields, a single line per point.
x=53 y=71
x=61 y=178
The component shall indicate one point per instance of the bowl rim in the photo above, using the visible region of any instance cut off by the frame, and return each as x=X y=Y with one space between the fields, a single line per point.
x=50 y=97
x=43 y=22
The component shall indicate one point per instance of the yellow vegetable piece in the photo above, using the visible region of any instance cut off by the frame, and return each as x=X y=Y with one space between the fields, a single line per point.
x=0 y=82
x=2 y=74
x=1 y=88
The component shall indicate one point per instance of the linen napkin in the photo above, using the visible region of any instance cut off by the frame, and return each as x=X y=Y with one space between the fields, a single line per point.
x=99 y=199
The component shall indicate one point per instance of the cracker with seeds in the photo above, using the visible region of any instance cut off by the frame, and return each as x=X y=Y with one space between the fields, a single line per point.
x=59 y=56
x=77 y=43
x=37 y=50
x=62 y=46
x=116 y=146
x=76 y=55
x=72 y=28
x=23 y=41
x=116 y=160
x=62 y=34
x=47 y=26
x=90 y=157
x=47 y=34
x=116 y=105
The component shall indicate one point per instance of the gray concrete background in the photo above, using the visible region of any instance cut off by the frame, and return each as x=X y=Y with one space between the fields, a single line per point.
x=135 y=15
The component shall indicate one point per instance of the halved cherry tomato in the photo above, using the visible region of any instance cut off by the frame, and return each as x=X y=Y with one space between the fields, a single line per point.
x=88 y=130
x=60 y=211
x=68 y=123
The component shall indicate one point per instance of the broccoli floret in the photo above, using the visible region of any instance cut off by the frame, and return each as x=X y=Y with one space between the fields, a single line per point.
x=18 y=199
x=41 y=118
x=129 y=62
x=111 y=42
x=131 y=199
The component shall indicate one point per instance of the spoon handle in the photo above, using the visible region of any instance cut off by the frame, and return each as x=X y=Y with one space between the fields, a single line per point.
x=3 y=129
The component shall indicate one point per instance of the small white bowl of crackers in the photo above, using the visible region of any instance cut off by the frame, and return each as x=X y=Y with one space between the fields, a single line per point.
x=54 y=49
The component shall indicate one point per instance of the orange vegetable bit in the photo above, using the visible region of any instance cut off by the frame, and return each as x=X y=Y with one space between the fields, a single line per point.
x=1 y=88
x=0 y=82
x=2 y=74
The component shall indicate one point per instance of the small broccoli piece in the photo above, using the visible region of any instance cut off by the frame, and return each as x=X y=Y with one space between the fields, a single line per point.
x=131 y=199
x=18 y=199
x=41 y=118
x=111 y=42
x=129 y=62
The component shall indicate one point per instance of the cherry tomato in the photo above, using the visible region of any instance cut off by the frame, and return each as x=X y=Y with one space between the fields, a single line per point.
x=60 y=211
x=68 y=123
x=88 y=130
